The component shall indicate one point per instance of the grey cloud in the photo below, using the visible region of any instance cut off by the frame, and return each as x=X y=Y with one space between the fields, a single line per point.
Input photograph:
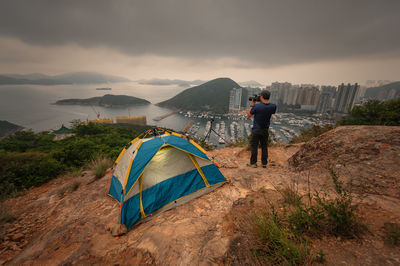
x=273 y=32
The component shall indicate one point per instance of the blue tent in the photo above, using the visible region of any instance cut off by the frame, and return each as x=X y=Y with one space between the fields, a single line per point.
x=158 y=173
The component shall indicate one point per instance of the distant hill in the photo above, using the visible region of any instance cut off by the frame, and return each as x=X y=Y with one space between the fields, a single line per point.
x=250 y=83
x=166 y=82
x=210 y=96
x=391 y=90
x=68 y=78
x=107 y=100
x=8 y=128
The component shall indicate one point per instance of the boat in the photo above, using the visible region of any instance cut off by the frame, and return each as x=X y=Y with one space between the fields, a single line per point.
x=103 y=89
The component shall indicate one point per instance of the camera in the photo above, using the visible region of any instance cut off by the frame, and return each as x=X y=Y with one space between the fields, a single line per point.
x=254 y=98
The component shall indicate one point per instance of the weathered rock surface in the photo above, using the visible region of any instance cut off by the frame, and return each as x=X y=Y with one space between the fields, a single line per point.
x=368 y=156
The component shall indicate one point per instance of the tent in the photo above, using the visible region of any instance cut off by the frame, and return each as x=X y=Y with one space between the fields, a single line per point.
x=157 y=173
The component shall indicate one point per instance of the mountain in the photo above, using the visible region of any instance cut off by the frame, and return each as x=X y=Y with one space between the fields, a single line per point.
x=67 y=78
x=7 y=128
x=391 y=90
x=210 y=96
x=107 y=100
x=250 y=83
x=166 y=82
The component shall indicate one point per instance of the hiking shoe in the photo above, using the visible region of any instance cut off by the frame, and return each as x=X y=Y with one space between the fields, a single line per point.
x=264 y=166
x=252 y=165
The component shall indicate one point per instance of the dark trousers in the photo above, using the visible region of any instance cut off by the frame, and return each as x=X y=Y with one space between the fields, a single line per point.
x=259 y=136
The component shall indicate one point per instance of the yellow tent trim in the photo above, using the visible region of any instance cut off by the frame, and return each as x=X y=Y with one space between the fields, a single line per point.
x=127 y=173
x=133 y=141
x=198 y=146
x=141 y=201
x=138 y=146
x=120 y=155
x=176 y=134
x=199 y=170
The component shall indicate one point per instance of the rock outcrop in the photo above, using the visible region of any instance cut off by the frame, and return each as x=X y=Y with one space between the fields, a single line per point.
x=367 y=156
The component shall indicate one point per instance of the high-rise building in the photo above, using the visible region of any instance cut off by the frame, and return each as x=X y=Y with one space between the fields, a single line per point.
x=325 y=102
x=307 y=96
x=346 y=96
x=252 y=92
x=291 y=95
x=235 y=99
x=283 y=89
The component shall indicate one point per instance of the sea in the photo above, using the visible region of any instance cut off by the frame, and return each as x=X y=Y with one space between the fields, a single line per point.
x=32 y=106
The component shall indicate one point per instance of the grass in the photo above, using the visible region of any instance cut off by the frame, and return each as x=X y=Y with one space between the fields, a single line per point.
x=241 y=142
x=283 y=237
x=99 y=166
x=290 y=194
x=277 y=244
x=6 y=217
x=392 y=234
x=309 y=133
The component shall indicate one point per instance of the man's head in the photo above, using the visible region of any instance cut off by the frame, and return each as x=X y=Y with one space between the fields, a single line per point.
x=265 y=94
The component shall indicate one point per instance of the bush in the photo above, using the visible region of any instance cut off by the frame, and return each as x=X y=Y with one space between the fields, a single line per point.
x=314 y=131
x=278 y=245
x=31 y=159
x=374 y=112
x=335 y=216
x=23 y=170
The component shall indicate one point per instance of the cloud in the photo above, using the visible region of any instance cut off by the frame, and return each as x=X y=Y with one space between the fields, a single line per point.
x=257 y=32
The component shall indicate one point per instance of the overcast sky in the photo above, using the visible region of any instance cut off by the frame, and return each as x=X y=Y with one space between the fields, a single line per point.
x=300 y=41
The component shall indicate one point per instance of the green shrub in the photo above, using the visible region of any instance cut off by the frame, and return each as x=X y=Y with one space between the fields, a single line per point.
x=23 y=170
x=290 y=194
x=327 y=216
x=31 y=159
x=277 y=244
x=309 y=133
x=76 y=152
x=374 y=112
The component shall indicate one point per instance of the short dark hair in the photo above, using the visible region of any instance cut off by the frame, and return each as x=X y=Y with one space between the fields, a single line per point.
x=265 y=94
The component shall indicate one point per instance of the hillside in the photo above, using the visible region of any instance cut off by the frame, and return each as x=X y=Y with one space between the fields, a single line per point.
x=382 y=92
x=107 y=100
x=66 y=220
x=210 y=96
x=68 y=78
x=7 y=128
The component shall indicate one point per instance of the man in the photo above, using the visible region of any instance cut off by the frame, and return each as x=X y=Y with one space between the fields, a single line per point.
x=262 y=115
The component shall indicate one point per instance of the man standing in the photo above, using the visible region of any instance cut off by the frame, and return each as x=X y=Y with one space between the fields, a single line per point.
x=262 y=115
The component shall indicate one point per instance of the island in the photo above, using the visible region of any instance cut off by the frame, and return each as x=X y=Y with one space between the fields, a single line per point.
x=211 y=96
x=107 y=100
x=7 y=128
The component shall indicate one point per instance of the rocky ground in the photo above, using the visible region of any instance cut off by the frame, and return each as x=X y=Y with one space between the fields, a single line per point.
x=66 y=221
